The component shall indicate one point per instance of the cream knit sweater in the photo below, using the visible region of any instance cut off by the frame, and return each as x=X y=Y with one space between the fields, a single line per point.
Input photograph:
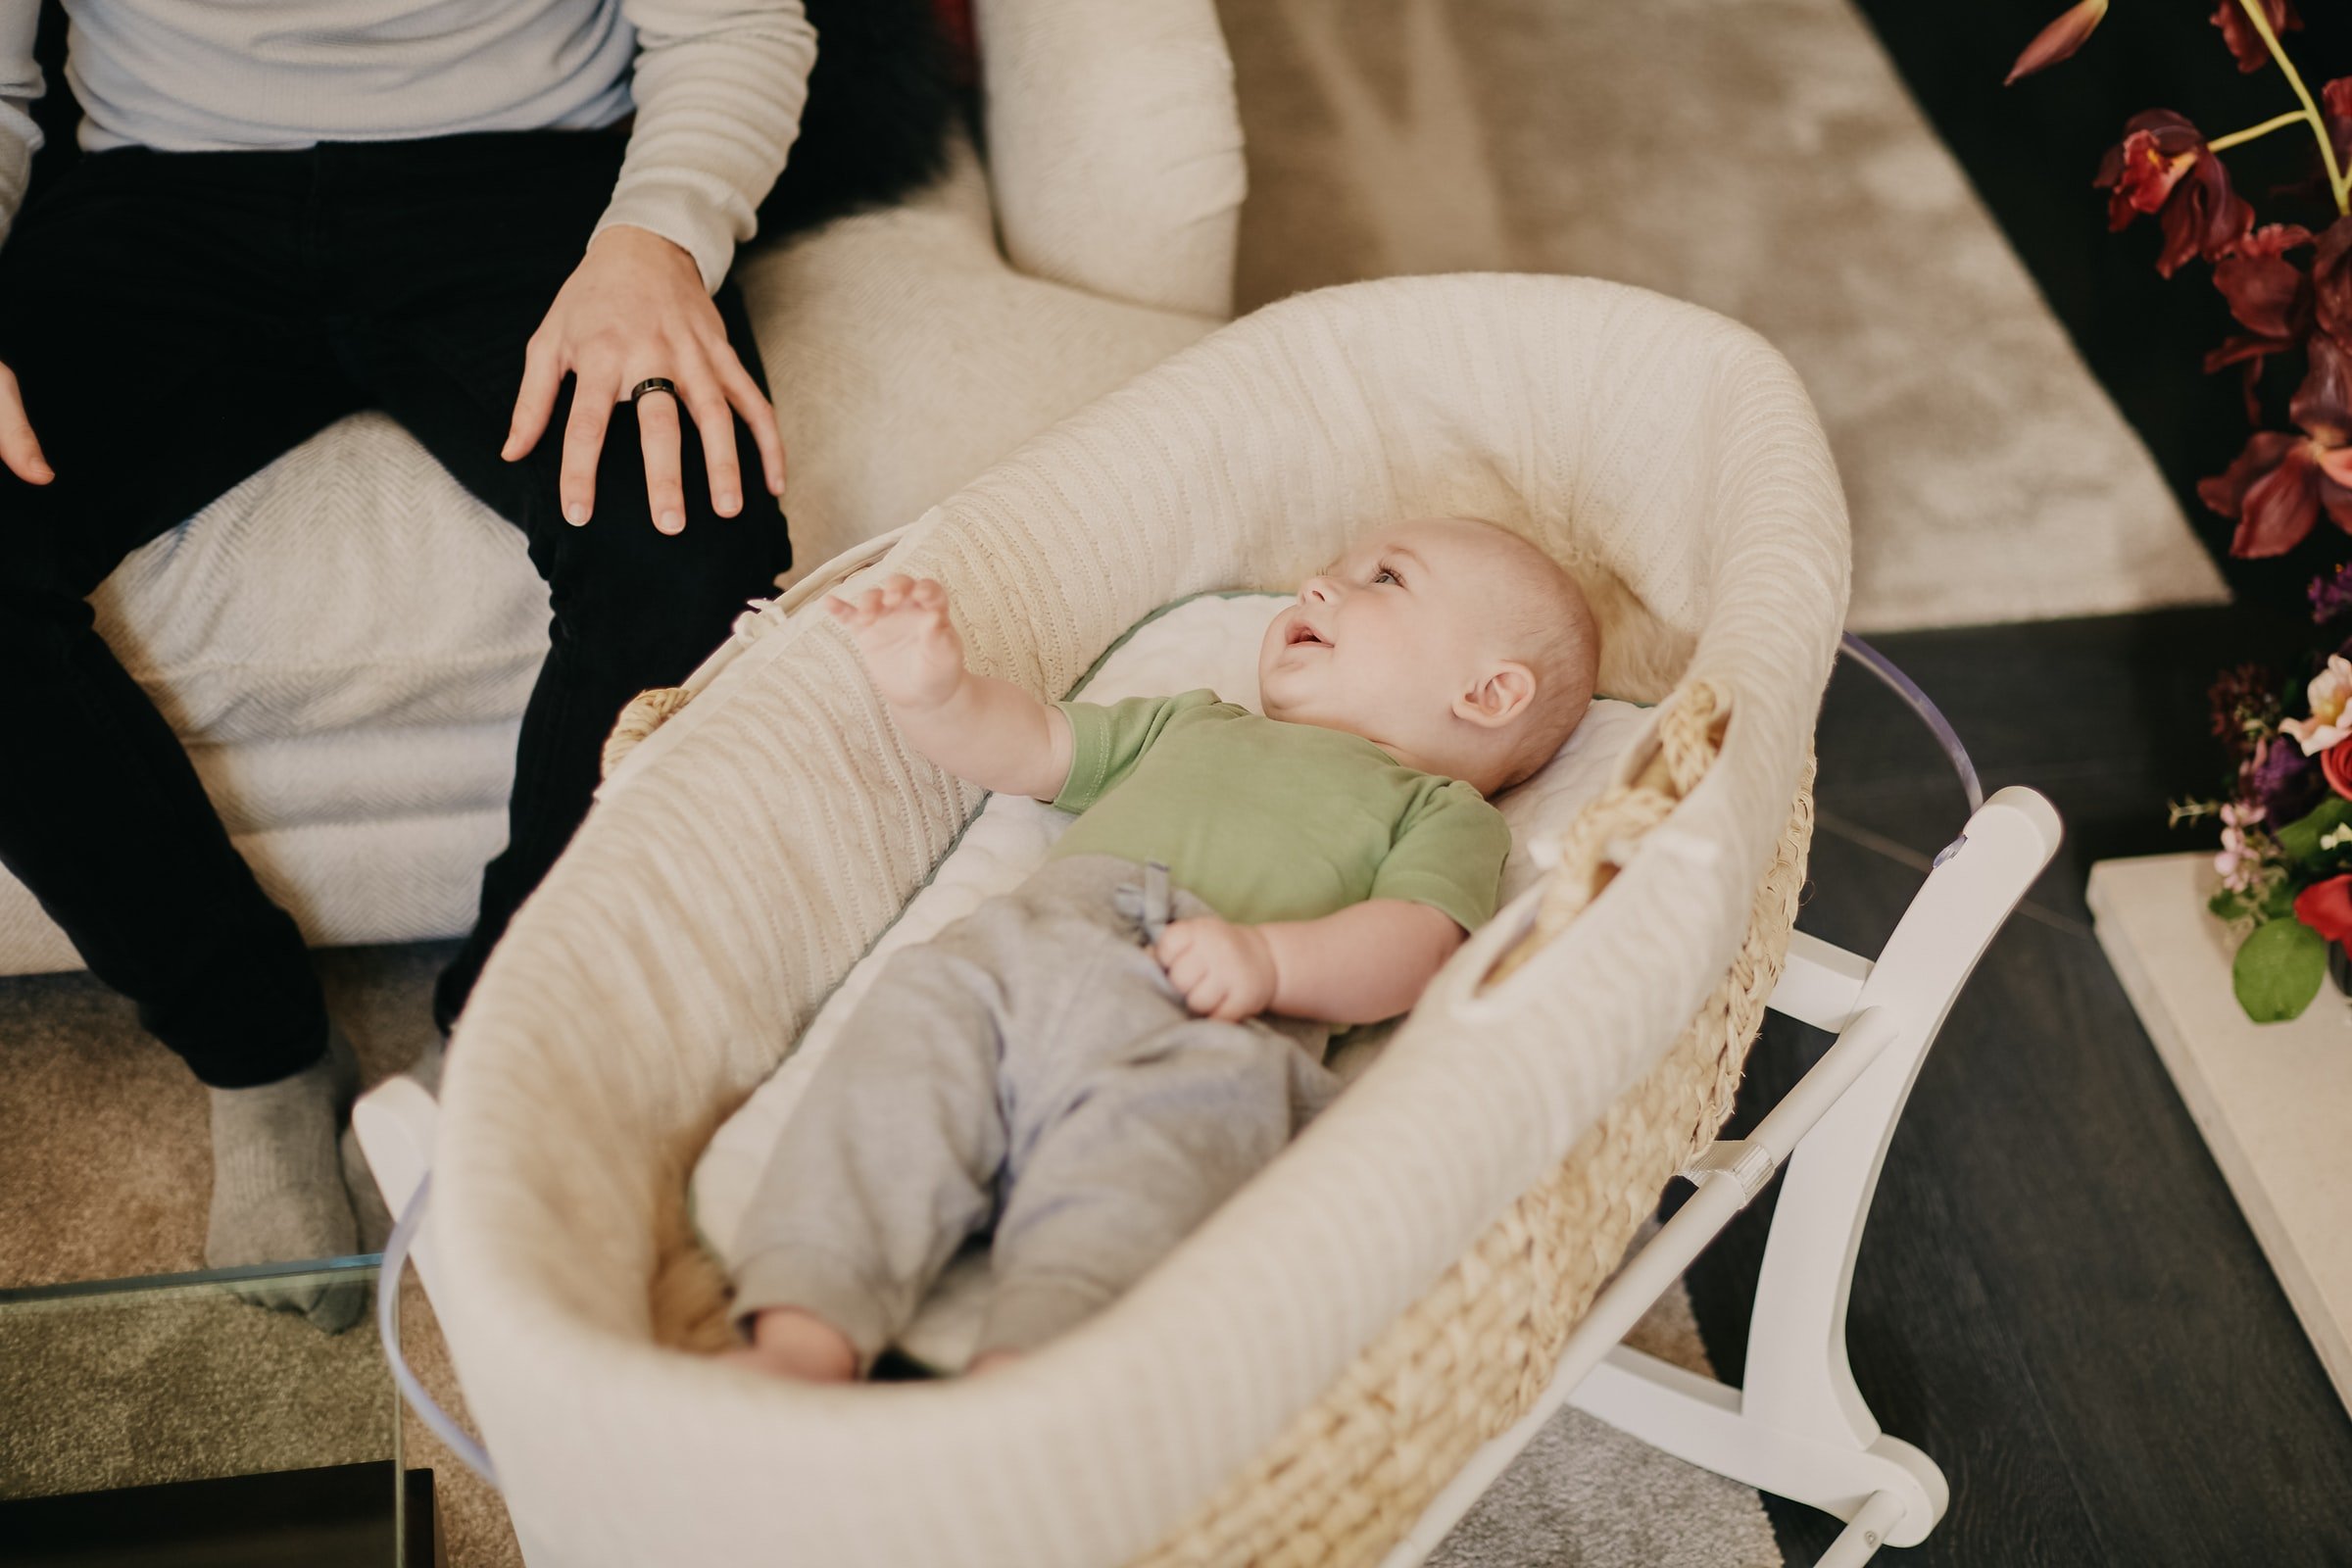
x=716 y=87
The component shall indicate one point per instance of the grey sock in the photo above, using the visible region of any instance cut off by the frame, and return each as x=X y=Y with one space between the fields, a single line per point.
x=374 y=1216
x=278 y=1185
x=368 y=1204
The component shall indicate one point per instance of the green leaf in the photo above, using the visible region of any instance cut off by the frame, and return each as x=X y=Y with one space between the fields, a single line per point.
x=2226 y=904
x=2278 y=970
x=2277 y=900
x=2299 y=840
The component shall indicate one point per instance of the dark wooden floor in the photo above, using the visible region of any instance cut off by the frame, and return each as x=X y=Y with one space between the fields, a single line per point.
x=2057 y=1297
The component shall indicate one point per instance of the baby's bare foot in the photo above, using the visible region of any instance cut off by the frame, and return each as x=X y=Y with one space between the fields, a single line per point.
x=788 y=1343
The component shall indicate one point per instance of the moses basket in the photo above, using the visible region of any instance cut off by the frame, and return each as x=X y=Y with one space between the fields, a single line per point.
x=1296 y=1381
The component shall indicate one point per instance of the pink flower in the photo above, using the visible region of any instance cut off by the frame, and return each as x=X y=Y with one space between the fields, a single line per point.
x=2237 y=861
x=2233 y=862
x=2331 y=693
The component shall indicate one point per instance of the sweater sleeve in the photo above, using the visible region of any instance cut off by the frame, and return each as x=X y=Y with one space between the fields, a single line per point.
x=719 y=89
x=20 y=86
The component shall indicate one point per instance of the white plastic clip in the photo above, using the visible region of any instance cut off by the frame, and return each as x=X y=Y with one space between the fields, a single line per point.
x=1684 y=846
x=1746 y=1163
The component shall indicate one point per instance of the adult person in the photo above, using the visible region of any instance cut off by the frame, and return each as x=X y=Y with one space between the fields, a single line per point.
x=509 y=225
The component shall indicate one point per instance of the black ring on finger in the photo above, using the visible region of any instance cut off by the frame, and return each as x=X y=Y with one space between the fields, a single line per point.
x=652 y=383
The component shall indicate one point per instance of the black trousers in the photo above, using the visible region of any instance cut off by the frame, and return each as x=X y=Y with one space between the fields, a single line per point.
x=177 y=320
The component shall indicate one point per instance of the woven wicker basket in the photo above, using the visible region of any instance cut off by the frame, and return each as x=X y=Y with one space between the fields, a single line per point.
x=1352 y=1472
x=757 y=844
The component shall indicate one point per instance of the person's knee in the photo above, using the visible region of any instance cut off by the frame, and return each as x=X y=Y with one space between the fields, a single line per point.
x=619 y=584
x=41 y=599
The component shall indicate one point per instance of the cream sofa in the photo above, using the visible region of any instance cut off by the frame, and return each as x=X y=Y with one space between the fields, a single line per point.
x=346 y=640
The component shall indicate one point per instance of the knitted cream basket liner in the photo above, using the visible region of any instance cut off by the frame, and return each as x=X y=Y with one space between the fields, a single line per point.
x=1305 y=1371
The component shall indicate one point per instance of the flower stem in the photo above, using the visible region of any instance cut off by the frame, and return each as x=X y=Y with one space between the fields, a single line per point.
x=2239 y=138
x=2336 y=184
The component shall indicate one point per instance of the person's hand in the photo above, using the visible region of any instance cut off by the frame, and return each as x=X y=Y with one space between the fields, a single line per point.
x=635 y=307
x=1223 y=970
x=18 y=449
x=912 y=649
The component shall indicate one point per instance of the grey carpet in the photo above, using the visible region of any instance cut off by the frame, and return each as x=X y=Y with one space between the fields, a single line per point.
x=1584 y=1494
x=104 y=1173
x=127 y=1391
x=1761 y=158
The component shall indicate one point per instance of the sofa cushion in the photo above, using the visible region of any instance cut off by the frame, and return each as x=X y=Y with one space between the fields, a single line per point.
x=352 y=582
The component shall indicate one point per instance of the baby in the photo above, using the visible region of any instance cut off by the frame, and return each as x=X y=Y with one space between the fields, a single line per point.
x=1097 y=1059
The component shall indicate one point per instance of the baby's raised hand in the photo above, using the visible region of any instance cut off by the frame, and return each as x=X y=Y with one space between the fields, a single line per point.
x=912 y=649
x=1222 y=970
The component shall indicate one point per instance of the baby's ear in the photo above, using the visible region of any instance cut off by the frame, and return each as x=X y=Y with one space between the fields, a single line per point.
x=1500 y=692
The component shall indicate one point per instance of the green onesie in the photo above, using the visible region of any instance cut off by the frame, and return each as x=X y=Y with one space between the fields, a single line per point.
x=1266 y=820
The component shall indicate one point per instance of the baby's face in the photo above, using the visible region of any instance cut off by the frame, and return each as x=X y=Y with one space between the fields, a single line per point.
x=1382 y=642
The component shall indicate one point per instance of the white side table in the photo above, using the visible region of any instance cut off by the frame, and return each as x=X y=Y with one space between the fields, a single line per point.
x=2274 y=1100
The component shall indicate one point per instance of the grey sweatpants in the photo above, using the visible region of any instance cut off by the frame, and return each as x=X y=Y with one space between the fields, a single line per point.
x=1030 y=1065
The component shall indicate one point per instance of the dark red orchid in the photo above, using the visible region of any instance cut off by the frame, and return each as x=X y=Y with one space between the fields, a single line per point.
x=2327 y=908
x=2243 y=41
x=2332 y=281
x=2336 y=117
x=2282 y=482
x=2059 y=40
x=2271 y=297
x=2164 y=167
